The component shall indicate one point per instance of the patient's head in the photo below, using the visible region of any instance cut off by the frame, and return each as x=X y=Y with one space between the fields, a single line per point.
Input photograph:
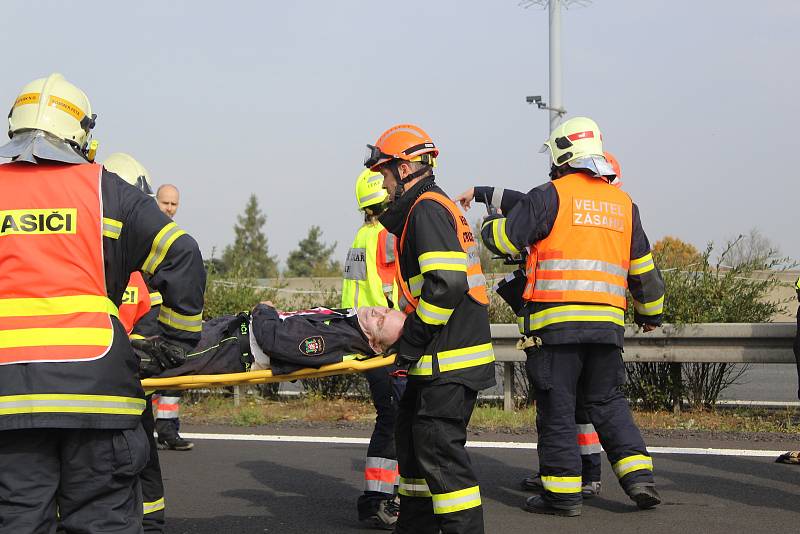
x=381 y=325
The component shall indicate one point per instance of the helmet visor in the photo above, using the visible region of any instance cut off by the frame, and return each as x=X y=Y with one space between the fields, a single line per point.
x=141 y=183
x=374 y=156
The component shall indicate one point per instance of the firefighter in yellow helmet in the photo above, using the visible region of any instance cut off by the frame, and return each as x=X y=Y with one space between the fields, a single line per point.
x=129 y=169
x=369 y=281
x=71 y=439
x=585 y=248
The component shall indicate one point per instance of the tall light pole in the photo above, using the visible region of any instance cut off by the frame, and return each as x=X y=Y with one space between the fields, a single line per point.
x=556 y=100
x=556 y=104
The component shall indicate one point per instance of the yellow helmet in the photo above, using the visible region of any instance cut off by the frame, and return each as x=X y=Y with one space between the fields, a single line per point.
x=369 y=189
x=55 y=106
x=130 y=170
x=574 y=139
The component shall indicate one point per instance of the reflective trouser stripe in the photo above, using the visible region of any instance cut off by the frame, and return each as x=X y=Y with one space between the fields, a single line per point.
x=561 y=484
x=380 y=474
x=414 y=487
x=633 y=463
x=455 y=359
x=655 y=307
x=167 y=407
x=67 y=403
x=155 y=506
x=455 y=501
x=588 y=440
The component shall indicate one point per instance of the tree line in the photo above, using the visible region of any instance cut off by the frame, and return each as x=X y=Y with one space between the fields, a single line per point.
x=249 y=255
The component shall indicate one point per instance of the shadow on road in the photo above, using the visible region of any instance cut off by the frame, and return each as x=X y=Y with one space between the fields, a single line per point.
x=291 y=495
x=718 y=481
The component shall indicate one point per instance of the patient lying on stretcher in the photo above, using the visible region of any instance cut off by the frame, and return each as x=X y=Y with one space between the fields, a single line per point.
x=282 y=341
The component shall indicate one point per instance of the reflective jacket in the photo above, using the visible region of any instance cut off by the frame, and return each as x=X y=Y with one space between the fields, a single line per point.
x=586 y=255
x=369 y=268
x=446 y=334
x=579 y=258
x=75 y=368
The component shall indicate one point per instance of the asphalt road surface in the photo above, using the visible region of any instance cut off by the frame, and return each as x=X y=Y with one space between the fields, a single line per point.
x=255 y=487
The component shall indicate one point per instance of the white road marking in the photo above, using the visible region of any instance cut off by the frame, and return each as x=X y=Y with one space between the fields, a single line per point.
x=473 y=444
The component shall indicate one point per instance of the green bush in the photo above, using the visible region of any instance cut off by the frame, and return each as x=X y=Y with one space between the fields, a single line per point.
x=705 y=291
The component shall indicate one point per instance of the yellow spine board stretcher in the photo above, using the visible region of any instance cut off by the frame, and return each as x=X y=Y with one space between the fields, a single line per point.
x=266 y=376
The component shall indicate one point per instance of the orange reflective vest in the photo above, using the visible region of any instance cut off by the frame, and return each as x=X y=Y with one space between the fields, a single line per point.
x=586 y=256
x=53 y=301
x=135 y=302
x=475 y=279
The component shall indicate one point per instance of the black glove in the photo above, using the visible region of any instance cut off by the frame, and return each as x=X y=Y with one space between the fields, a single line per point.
x=157 y=354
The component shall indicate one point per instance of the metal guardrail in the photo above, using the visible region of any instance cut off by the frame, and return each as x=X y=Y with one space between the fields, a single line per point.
x=691 y=343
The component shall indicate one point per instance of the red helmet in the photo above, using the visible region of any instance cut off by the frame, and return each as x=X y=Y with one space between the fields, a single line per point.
x=617 y=182
x=403 y=141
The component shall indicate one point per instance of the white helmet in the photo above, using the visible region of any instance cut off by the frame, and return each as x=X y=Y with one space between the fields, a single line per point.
x=579 y=144
x=130 y=170
x=55 y=106
x=51 y=119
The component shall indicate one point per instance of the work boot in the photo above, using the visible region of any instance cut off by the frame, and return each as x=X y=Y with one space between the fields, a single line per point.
x=533 y=482
x=644 y=495
x=591 y=489
x=538 y=505
x=791 y=458
x=174 y=444
x=383 y=516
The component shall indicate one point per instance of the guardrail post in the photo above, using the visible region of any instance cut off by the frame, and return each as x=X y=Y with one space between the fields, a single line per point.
x=508 y=386
x=236 y=396
x=677 y=387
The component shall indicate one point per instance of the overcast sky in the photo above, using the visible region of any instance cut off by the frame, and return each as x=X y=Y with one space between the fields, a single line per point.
x=698 y=100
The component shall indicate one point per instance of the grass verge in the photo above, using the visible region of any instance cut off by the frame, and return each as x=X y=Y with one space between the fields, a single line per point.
x=255 y=411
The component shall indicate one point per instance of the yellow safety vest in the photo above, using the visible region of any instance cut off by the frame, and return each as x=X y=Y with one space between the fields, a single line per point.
x=362 y=284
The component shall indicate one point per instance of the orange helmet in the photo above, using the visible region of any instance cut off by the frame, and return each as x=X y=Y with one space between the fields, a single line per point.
x=617 y=182
x=403 y=141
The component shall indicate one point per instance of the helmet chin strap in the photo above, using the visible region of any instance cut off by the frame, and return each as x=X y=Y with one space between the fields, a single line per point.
x=394 y=167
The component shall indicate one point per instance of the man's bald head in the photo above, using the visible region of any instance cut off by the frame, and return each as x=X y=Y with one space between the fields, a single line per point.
x=168 y=199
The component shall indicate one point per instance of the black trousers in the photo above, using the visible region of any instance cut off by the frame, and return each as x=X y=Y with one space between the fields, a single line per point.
x=150 y=477
x=438 y=488
x=90 y=477
x=380 y=471
x=593 y=372
x=591 y=462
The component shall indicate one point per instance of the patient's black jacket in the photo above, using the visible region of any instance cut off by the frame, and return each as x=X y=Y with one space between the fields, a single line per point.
x=292 y=340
